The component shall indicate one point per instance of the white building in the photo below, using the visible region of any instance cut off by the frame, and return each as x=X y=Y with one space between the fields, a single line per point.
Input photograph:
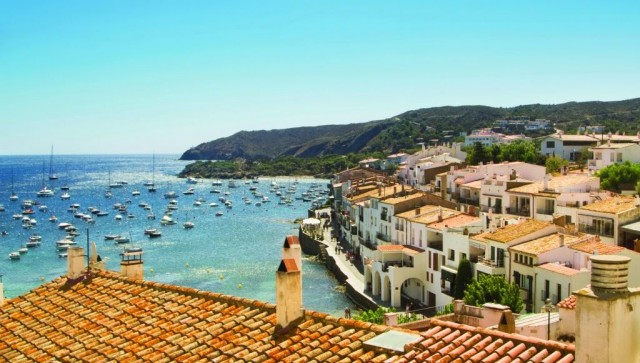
x=609 y=154
x=488 y=137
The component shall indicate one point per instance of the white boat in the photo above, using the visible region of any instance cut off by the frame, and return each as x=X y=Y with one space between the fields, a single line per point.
x=122 y=239
x=148 y=231
x=166 y=220
x=216 y=183
x=64 y=225
x=135 y=193
x=2 y=208
x=14 y=256
x=118 y=217
x=16 y=216
x=189 y=191
x=35 y=237
x=13 y=197
x=111 y=236
x=44 y=192
x=213 y=205
x=151 y=216
x=188 y=225
x=32 y=244
x=197 y=203
x=219 y=214
x=65 y=196
x=53 y=219
x=23 y=250
x=151 y=186
x=170 y=195
x=192 y=180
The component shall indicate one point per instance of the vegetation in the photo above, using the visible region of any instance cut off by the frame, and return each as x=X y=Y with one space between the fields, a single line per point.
x=447 y=309
x=495 y=289
x=520 y=150
x=618 y=177
x=323 y=166
x=555 y=163
x=405 y=131
x=464 y=278
x=377 y=316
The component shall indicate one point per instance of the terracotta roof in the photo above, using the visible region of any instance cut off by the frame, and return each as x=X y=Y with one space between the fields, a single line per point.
x=615 y=205
x=560 y=269
x=110 y=318
x=593 y=245
x=545 y=244
x=290 y=241
x=515 y=231
x=568 y=303
x=451 y=342
x=459 y=220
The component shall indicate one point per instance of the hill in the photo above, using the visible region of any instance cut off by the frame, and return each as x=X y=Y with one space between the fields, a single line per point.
x=404 y=131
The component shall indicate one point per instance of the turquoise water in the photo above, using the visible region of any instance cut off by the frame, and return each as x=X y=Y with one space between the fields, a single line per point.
x=236 y=253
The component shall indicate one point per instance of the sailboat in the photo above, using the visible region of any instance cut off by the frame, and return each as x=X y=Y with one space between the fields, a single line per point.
x=52 y=176
x=108 y=194
x=44 y=192
x=152 y=185
x=13 y=196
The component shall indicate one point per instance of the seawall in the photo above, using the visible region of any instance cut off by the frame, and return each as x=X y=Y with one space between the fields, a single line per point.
x=311 y=246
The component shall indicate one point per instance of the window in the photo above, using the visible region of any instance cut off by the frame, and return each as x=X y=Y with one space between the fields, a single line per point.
x=551 y=144
x=452 y=255
x=463 y=256
x=619 y=157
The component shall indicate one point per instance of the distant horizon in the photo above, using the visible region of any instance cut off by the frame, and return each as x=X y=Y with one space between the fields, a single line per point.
x=128 y=77
x=178 y=154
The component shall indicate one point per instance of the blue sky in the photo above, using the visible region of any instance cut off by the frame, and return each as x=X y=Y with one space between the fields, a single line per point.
x=162 y=76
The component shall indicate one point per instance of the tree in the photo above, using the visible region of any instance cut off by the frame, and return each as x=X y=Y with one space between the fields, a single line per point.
x=554 y=164
x=617 y=177
x=464 y=278
x=519 y=150
x=495 y=289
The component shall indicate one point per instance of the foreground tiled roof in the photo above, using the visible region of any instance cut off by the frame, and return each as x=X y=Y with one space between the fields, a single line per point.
x=451 y=342
x=110 y=318
x=547 y=243
x=560 y=269
x=456 y=221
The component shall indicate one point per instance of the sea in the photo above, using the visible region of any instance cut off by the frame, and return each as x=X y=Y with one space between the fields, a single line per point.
x=235 y=253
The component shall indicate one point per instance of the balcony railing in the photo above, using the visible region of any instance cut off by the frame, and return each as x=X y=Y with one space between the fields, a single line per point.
x=491 y=263
x=387 y=264
x=383 y=237
x=518 y=211
x=475 y=202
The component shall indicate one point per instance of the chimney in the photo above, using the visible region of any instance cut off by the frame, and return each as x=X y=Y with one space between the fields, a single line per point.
x=292 y=249
x=131 y=263
x=507 y=322
x=390 y=319
x=95 y=261
x=288 y=294
x=439 y=214
x=607 y=314
x=418 y=211
x=561 y=240
x=546 y=182
x=1 y=291
x=75 y=262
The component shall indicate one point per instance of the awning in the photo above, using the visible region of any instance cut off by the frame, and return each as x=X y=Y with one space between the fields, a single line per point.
x=311 y=222
x=632 y=227
x=448 y=273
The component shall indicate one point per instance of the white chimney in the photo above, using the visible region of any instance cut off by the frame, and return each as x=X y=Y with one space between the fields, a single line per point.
x=131 y=263
x=1 y=291
x=75 y=262
x=546 y=182
x=561 y=240
x=608 y=314
x=292 y=249
x=95 y=261
x=288 y=294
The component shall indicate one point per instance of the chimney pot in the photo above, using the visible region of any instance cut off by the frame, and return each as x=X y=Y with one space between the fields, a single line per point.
x=610 y=273
x=288 y=294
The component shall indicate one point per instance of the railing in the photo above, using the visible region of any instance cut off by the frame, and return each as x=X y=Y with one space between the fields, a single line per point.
x=490 y=262
x=383 y=237
x=518 y=211
x=545 y=211
x=469 y=201
x=386 y=265
x=472 y=311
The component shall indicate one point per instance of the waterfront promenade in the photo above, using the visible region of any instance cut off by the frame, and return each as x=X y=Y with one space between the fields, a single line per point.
x=337 y=252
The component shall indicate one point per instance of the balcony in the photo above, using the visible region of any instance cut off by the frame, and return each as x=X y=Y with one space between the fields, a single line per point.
x=491 y=263
x=524 y=212
x=400 y=263
x=473 y=202
x=383 y=237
